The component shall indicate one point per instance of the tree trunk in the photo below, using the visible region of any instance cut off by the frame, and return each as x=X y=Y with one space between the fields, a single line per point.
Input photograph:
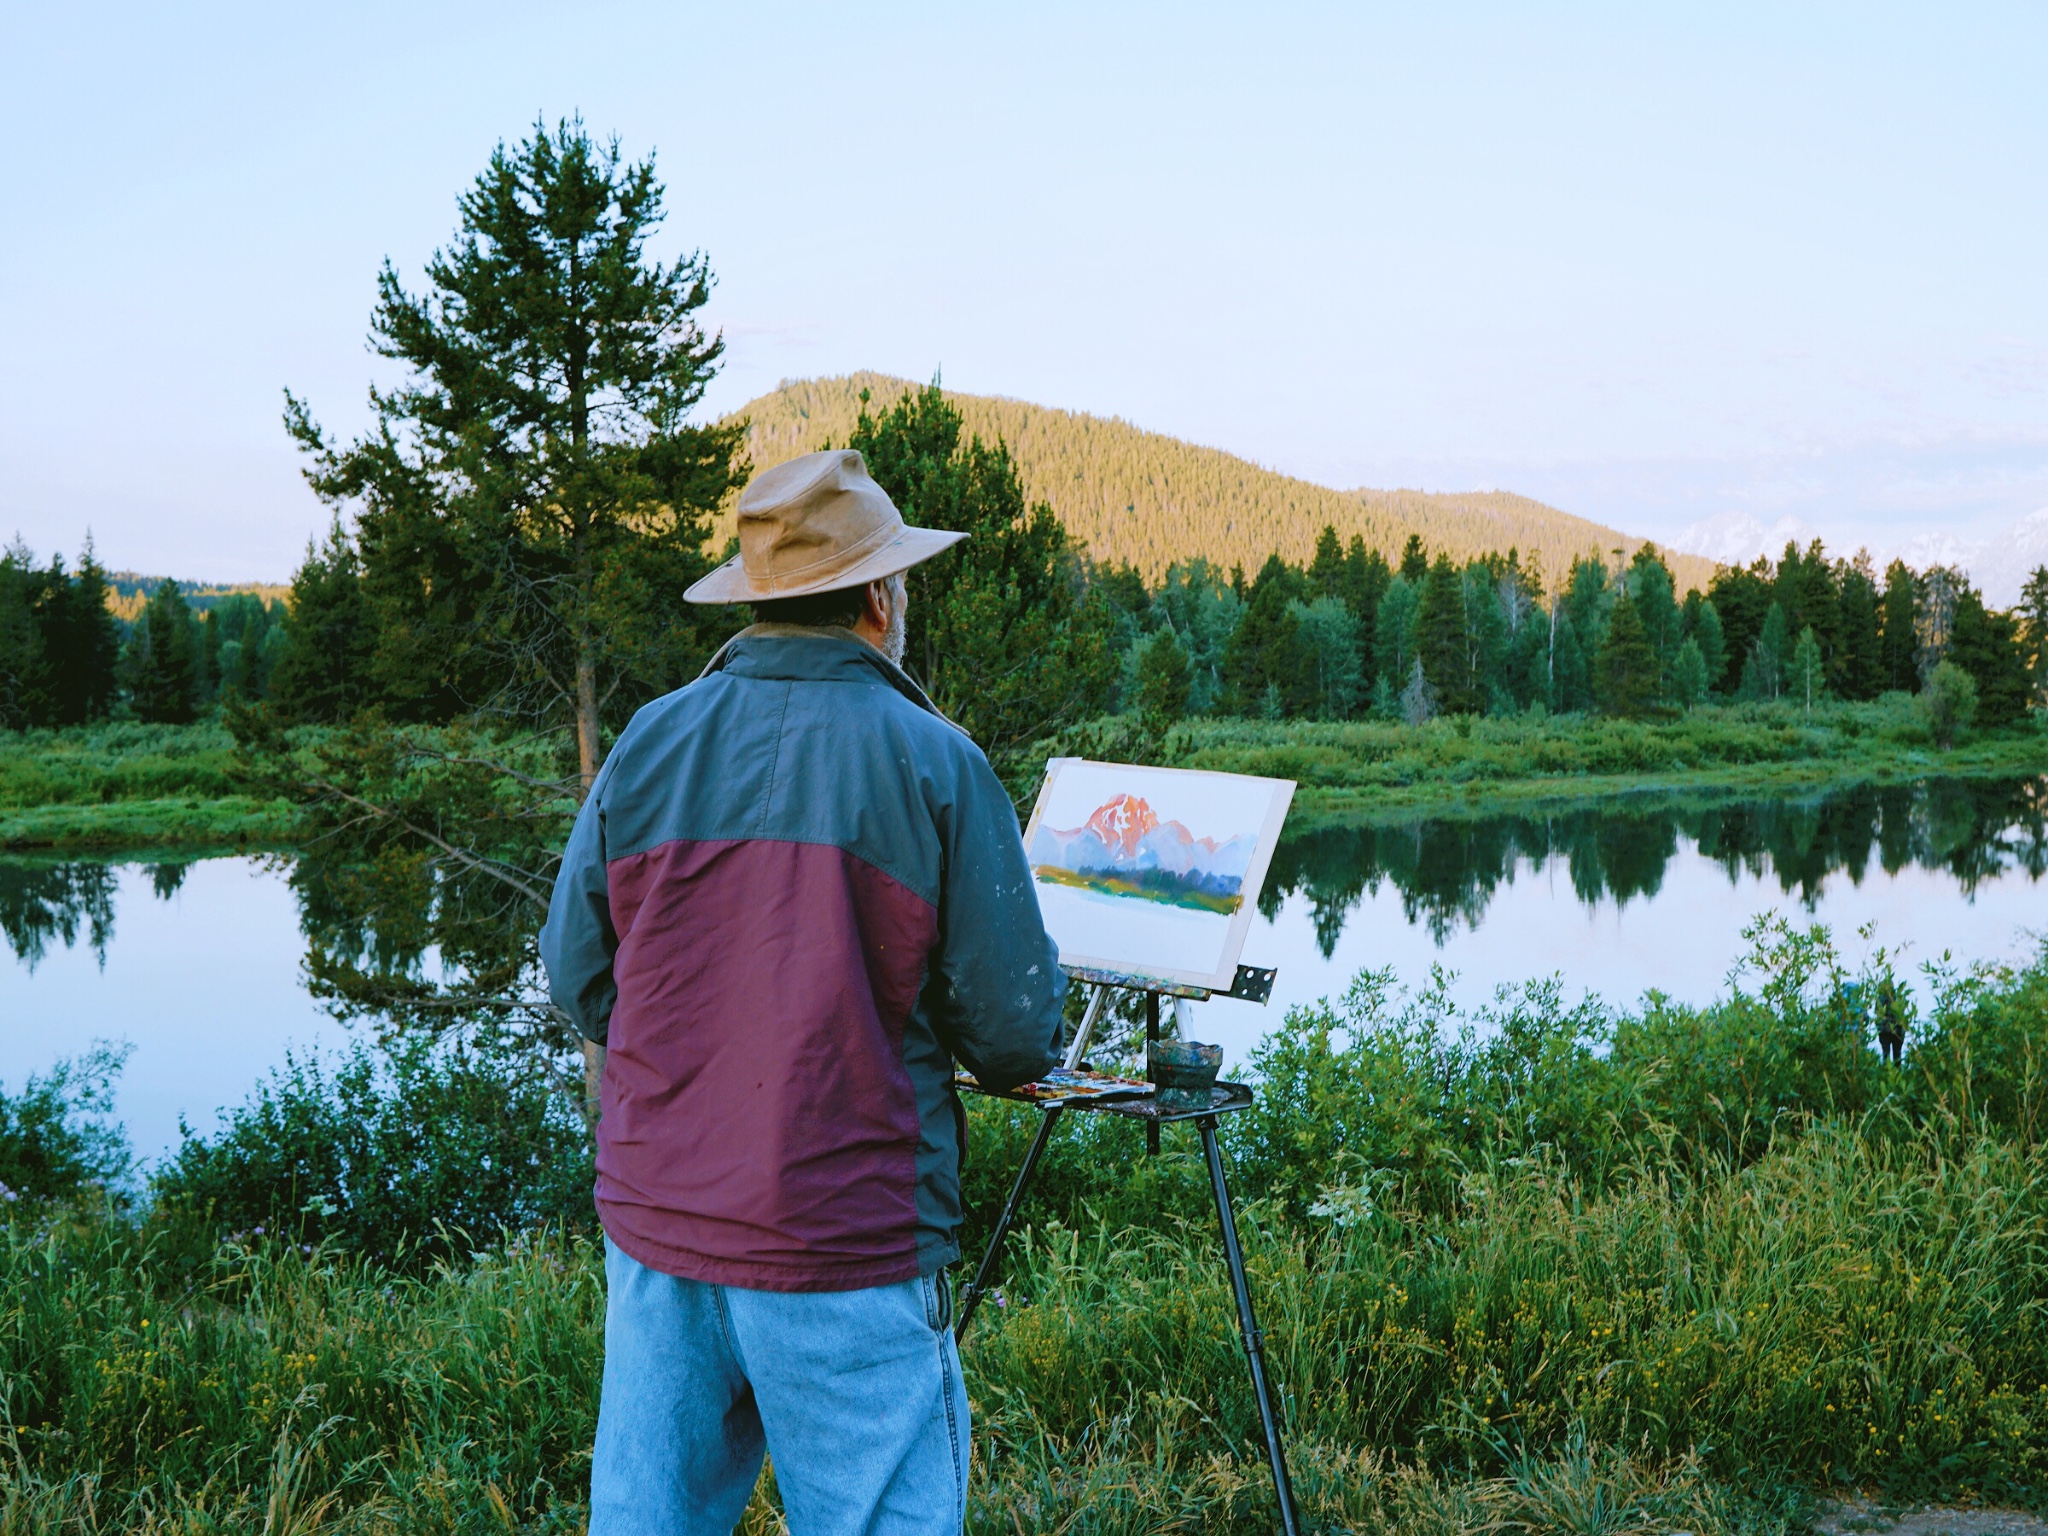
x=589 y=748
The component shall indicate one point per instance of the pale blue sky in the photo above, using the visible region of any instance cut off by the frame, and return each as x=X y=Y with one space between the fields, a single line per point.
x=1649 y=263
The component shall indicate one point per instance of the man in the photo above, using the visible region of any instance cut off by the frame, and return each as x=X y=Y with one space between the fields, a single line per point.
x=795 y=895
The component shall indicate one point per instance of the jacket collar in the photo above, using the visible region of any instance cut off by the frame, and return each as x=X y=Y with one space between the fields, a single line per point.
x=799 y=653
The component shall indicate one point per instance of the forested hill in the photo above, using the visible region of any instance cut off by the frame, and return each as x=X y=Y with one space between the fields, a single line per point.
x=1152 y=499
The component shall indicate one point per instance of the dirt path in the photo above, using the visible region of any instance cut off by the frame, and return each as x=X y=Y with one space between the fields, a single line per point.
x=1860 y=1518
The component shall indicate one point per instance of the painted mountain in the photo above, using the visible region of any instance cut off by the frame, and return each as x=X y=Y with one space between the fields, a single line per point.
x=1126 y=850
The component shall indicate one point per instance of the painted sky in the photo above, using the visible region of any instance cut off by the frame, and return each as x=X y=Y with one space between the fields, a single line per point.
x=1651 y=264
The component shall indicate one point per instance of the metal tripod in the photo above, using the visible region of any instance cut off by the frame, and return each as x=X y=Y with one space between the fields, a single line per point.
x=1225 y=1098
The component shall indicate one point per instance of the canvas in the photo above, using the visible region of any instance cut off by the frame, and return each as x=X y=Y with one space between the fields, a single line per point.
x=1152 y=872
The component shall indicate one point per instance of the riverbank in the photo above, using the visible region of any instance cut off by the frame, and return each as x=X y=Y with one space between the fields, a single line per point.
x=128 y=785
x=120 y=786
x=1357 y=770
x=1685 y=1269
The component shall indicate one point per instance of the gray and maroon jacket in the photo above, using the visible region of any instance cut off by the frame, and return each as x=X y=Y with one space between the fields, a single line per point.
x=795 y=895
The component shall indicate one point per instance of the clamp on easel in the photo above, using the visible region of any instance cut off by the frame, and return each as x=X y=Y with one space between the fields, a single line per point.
x=1252 y=984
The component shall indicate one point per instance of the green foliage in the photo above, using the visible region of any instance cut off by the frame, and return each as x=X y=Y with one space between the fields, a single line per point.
x=1807 y=674
x=57 y=1141
x=1626 y=670
x=1763 y=673
x=164 y=680
x=1443 y=640
x=1164 y=679
x=1899 y=630
x=1949 y=702
x=1987 y=646
x=2032 y=614
x=428 y=1150
x=59 y=644
x=533 y=503
x=1496 y=1246
x=325 y=670
x=1002 y=631
x=1328 y=635
x=1267 y=665
x=1689 y=673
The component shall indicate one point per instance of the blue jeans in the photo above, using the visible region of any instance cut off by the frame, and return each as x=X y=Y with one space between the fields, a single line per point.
x=856 y=1394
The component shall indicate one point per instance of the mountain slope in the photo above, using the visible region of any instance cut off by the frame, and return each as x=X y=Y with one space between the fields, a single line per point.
x=1151 y=499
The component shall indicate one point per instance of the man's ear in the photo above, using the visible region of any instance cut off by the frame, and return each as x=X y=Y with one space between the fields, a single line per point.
x=875 y=604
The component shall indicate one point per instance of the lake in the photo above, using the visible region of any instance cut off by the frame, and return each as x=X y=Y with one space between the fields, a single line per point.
x=197 y=963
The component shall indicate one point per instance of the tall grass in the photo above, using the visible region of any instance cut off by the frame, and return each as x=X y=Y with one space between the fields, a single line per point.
x=1550 y=1269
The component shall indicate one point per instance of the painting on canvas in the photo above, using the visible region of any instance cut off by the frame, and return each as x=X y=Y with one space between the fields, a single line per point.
x=1152 y=872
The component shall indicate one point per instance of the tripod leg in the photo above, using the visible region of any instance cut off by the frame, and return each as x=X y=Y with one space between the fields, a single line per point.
x=985 y=1271
x=1151 y=1035
x=1248 y=1325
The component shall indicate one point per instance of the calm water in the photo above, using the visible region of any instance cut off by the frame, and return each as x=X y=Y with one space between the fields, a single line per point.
x=198 y=965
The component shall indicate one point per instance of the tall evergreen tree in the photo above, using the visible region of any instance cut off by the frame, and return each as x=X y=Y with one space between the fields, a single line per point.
x=1570 y=678
x=323 y=671
x=1899 y=630
x=1987 y=646
x=1326 y=570
x=1164 y=679
x=1443 y=641
x=1487 y=638
x=1002 y=631
x=1626 y=669
x=1861 y=674
x=1414 y=564
x=1688 y=674
x=1267 y=654
x=2032 y=614
x=1654 y=593
x=1807 y=674
x=1763 y=674
x=21 y=647
x=1393 y=643
x=1329 y=639
x=1706 y=634
x=533 y=501
x=163 y=665
x=1742 y=598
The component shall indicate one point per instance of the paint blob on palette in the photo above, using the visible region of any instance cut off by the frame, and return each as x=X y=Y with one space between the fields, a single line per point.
x=1152 y=872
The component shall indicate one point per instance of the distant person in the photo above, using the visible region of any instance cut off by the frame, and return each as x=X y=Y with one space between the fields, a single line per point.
x=795 y=895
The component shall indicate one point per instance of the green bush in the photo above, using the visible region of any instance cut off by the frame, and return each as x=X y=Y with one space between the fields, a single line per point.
x=431 y=1148
x=55 y=1141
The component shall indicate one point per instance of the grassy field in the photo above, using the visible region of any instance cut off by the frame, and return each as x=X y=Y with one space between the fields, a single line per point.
x=1543 y=1268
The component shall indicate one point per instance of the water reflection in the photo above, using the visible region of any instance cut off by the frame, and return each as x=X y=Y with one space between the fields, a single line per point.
x=42 y=901
x=1447 y=870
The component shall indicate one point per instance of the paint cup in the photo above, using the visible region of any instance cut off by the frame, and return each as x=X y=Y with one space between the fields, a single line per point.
x=1182 y=1073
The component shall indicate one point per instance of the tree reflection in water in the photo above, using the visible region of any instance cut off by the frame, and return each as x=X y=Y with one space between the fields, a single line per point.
x=1447 y=870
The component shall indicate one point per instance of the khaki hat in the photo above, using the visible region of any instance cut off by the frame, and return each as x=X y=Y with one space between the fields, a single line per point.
x=817 y=524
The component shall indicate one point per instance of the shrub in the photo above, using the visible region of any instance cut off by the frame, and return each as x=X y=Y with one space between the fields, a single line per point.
x=55 y=1142
x=435 y=1147
x=1949 y=702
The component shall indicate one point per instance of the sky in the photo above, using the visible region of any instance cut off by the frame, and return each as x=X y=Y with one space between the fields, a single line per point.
x=1651 y=264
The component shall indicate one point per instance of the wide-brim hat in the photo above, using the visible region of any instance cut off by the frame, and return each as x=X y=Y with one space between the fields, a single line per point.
x=817 y=524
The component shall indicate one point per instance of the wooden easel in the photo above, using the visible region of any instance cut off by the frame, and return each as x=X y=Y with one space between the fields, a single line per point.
x=1252 y=985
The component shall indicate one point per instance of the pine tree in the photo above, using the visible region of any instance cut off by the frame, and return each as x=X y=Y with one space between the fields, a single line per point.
x=1688 y=674
x=1267 y=651
x=1414 y=560
x=163 y=665
x=1651 y=588
x=2033 y=616
x=1626 y=669
x=21 y=648
x=1899 y=630
x=1987 y=646
x=1329 y=639
x=1569 y=680
x=1706 y=634
x=323 y=671
x=1861 y=675
x=1326 y=570
x=1002 y=631
x=1486 y=629
x=1442 y=640
x=533 y=502
x=1742 y=598
x=1164 y=679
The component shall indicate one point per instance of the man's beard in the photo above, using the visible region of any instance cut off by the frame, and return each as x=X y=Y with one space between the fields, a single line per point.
x=893 y=639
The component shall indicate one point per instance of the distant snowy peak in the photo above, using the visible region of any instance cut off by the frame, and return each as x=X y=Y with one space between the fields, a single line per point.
x=2003 y=562
x=1736 y=538
x=1126 y=835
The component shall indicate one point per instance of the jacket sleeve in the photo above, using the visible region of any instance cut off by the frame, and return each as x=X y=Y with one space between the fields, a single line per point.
x=1000 y=988
x=578 y=942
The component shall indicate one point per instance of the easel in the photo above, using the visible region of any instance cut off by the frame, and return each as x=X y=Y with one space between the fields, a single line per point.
x=1252 y=985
